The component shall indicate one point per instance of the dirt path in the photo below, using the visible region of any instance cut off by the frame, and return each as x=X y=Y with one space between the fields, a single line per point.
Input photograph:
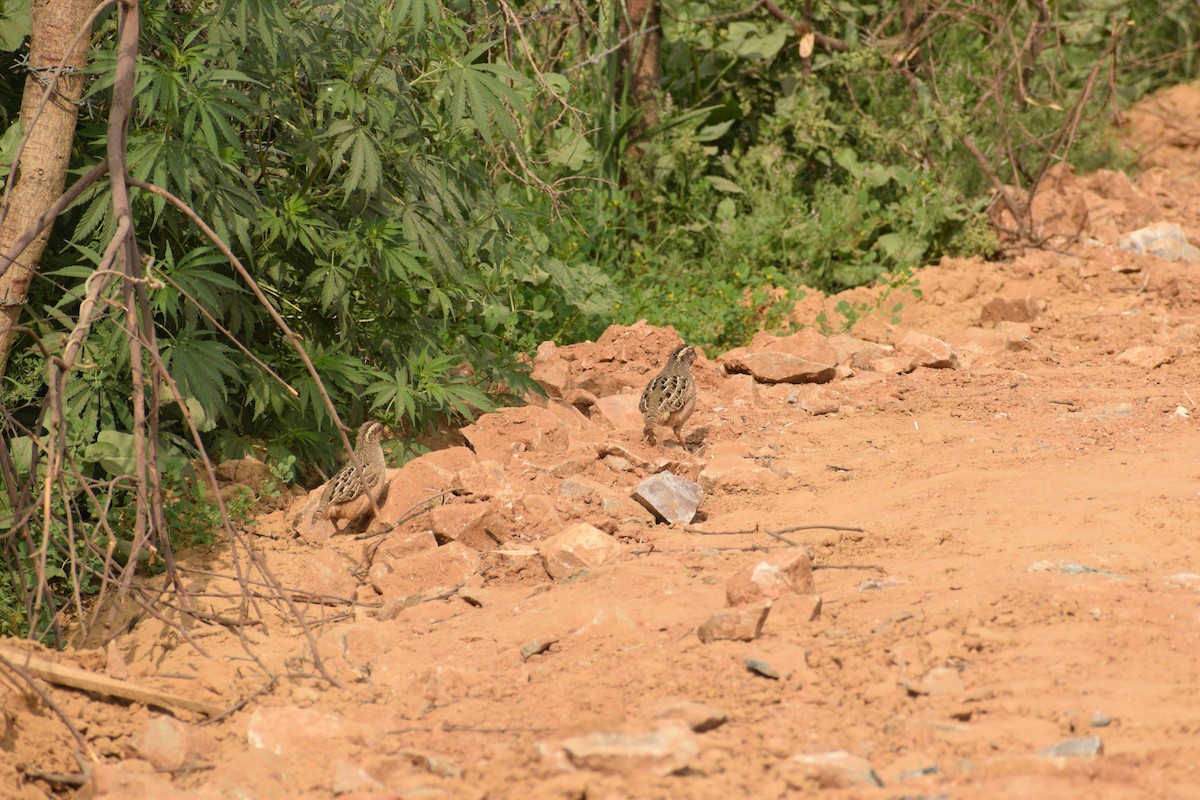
x=1035 y=512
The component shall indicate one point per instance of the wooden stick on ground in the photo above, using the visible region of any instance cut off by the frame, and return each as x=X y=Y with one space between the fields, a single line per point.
x=102 y=684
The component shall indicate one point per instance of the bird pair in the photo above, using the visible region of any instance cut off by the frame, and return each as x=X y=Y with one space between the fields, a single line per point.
x=667 y=401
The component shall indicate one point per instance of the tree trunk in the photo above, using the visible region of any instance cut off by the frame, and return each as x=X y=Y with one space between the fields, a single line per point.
x=639 y=58
x=41 y=173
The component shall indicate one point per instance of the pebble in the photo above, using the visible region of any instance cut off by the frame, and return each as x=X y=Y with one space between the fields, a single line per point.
x=760 y=667
x=535 y=647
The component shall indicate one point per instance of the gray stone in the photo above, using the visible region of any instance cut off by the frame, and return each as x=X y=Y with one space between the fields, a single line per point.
x=1163 y=239
x=760 y=667
x=669 y=497
x=1075 y=748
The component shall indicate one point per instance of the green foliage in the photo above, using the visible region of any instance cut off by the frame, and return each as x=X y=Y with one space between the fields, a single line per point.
x=15 y=19
x=765 y=170
x=349 y=153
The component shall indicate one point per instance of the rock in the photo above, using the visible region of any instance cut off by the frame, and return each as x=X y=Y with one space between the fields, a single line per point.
x=169 y=744
x=124 y=780
x=539 y=511
x=573 y=420
x=763 y=668
x=400 y=545
x=579 y=398
x=351 y=776
x=937 y=682
x=791 y=611
x=1163 y=239
x=250 y=773
x=619 y=411
x=834 y=770
x=420 y=479
x=985 y=341
x=1102 y=411
x=502 y=435
x=892 y=365
x=771 y=576
x=1075 y=748
x=817 y=400
x=697 y=716
x=772 y=367
x=468 y=523
x=403 y=582
x=248 y=471
x=1019 y=334
x=1058 y=210
x=743 y=623
x=666 y=751
x=591 y=493
x=1010 y=309
x=578 y=547
x=732 y=471
x=669 y=497
x=486 y=480
x=327 y=573
x=550 y=370
x=739 y=390
x=909 y=766
x=1146 y=357
x=857 y=353
x=291 y=731
x=430 y=762
x=926 y=351
x=536 y=647
x=1101 y=720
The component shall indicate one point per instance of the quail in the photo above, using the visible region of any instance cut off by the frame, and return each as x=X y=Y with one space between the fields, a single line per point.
x=362 y=475
x=670 y=398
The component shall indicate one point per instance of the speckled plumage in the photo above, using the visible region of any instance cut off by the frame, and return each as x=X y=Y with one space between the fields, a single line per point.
x=362 y=474
x=670 y=398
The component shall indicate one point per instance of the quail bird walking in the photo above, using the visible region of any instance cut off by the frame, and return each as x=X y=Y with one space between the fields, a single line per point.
x=361 y=476
x=670 y=398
